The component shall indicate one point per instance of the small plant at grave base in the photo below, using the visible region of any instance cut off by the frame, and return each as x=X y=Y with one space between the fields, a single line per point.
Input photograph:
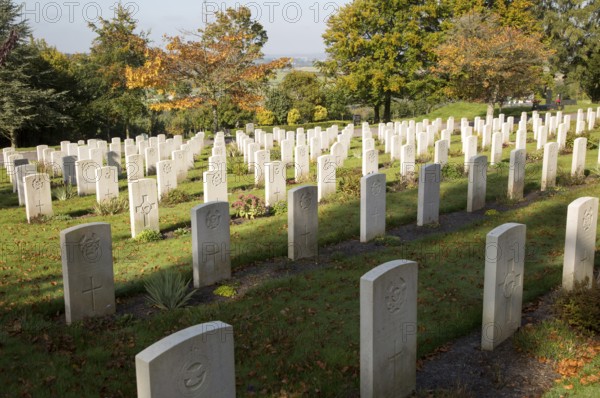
x=233 y=151
x=403 y=183
x=579 y=307
x=348 y=183
x=388 y=241
x=61 y=217
x=111 y=206
x=168 y=290
x=238 y=168
x=249 y=206
x=229 y=291
x=275 y=154
x=174 y=197
x=423 y=158
x=564 y=178
x=279 y=208
x=42 y=167
x=65 y=192
x=535 y=156
x=453 y=171
x=454 y=153
x=181 y=232
x=491 y=213
x=148 y=235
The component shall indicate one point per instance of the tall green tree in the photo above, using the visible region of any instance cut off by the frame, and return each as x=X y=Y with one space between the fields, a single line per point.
x=573 y=29
x=25 y=104
x=378 y=48
x=117 y=46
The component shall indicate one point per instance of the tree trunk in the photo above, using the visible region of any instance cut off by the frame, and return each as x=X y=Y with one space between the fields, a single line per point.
x=127 y=129
x=490 y=109
x=376 y=113
x=13 y=139
x=215 y=119
x=387 y=107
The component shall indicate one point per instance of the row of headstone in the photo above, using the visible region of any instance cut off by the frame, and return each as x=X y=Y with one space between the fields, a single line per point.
x=388 y=293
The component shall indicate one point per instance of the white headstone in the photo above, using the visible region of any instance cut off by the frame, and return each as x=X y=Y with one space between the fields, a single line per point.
x=38 y=196
x=274 y=182
x=85 y=170
x=578 y=161
x=215 y=186
x=441 y=152
x=428 y=209
x=151 y=160
x=477 y=183
x=107 y=183
x=134 y=166
x=388 y=330
x=326 y=176
x=211 y=243
x=370 y=162
x=260 y=158
x=496 y=154
x=407 y=163
x=302 y=222
x=549 y=166
x=143 y=206
x=87 y=268
x=580 y=242
x=166 y=177
x=194 y=362
x=516 y=174
x=372 y=206
x=301 y=163
x=21 y=172
x=503 y=284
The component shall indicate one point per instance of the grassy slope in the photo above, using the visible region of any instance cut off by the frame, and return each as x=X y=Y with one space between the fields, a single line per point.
x=294 y=335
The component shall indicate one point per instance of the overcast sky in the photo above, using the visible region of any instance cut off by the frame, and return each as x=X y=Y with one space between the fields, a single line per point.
x=294 y=27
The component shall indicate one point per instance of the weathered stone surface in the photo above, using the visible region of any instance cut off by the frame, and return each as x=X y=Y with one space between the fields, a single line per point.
x=194 y=362
x=477 y=183
x=388 y=330
x=580 y=241
x=107 y=183
x=87 y=267
x=550 y=165
x=372 y=206
x=38 y=196
x=143 y=205
x=516 y=174
x=429 y=195
x=326 y=178
x=302 y=222
x=503 y=285
x=211 y=243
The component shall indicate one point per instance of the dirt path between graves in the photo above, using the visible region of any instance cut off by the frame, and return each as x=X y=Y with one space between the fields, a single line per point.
x=460 y=366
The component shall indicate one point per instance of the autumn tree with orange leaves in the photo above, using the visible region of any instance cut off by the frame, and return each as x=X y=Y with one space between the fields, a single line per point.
x=218 y=62
x=489 y=62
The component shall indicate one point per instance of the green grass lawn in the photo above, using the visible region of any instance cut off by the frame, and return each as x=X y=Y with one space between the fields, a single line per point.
x=294 y=336
x=471 y=110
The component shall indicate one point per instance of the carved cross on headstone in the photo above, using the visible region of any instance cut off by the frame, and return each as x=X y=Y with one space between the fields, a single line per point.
x=39 y=206
x=510 y=282
x=276 y=193
x=394 y=359
x=145 y=208
x=92 y=291
x=305 y=235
